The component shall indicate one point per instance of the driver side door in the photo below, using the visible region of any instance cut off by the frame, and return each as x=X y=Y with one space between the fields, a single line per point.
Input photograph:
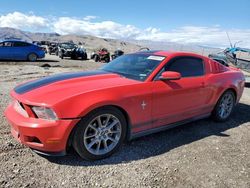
x=177 y=100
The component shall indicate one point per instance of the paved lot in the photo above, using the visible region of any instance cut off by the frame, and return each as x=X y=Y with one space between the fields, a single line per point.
x=198 y=154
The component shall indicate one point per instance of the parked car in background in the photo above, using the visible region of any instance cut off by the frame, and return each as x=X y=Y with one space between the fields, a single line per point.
x=53 y=48
x=71 y=50
x=80 y=53
x=20 y=50
x=116 y=54
x=134 y=95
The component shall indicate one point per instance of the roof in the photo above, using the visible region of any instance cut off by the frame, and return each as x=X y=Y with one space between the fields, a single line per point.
x=13 y=40
x=168 y=53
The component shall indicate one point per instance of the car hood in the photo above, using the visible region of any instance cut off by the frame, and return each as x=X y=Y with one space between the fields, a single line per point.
x=52 y=89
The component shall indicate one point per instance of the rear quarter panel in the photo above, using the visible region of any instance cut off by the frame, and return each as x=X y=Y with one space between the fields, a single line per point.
x=222 y=81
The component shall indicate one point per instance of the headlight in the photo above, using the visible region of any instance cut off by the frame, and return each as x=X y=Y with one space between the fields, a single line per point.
x=20 y=109
x=44 y=113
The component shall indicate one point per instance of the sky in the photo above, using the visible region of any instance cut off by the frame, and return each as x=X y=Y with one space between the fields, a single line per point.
x=182 y=21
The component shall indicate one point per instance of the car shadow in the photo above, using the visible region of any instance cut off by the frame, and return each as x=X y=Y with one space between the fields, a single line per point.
x=47 y=60
x=159 y=143
x=22 y=61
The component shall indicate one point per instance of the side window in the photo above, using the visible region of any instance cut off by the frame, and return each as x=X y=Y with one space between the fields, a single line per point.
x=186 y=66
x=20 y=44
x=7 y=44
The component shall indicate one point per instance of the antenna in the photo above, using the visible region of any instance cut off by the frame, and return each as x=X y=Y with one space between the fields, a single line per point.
x=237 y=43
x=229 y=40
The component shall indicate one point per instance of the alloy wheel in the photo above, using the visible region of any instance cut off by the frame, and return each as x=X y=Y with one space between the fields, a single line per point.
x=102 y=134
x=226 y=105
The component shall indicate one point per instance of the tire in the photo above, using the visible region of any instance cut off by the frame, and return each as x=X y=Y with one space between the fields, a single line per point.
x=96 y=58
x=84 y=57
x=32 y=57
x=93 y=141
x=107 y=59
x=61 y=56
x=224 y=106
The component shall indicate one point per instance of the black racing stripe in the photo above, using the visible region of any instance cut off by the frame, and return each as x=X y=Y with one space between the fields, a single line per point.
x=21 y=89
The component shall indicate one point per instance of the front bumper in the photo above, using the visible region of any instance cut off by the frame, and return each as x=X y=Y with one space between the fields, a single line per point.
x=67 y=53
x=41 y=135
x=41 y=54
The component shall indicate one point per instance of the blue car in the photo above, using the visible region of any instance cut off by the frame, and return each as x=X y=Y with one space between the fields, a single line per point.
x=20 y=50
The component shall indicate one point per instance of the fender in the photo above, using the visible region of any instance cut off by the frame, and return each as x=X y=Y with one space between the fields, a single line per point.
x=125 y=97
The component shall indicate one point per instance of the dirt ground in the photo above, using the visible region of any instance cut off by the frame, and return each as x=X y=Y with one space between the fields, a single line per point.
x=198 y=154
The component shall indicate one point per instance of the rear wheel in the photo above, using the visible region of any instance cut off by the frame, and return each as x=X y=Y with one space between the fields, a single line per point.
x=96 y=58
x=84 y=57
x=107 y=59
x=32 y=57
x=100 y=133
x=224 y=106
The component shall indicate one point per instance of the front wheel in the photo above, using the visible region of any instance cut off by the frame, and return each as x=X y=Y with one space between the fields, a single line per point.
x=100 y=133
x=224 y=106
x=32 y=57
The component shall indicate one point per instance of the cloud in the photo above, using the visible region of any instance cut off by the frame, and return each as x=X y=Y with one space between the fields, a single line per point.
x=88 y=18
x=211 y=36
x=108 y=29
x=23 y=21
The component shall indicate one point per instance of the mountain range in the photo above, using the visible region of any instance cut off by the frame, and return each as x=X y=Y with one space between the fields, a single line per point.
x=92 y=43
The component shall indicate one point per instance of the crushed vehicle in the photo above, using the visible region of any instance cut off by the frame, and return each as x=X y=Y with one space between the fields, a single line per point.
x=228 y=57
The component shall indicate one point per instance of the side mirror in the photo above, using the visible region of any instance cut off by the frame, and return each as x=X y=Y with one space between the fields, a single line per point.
x=170 y=75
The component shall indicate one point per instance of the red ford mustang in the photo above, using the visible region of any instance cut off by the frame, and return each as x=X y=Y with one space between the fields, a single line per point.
x=134 y=95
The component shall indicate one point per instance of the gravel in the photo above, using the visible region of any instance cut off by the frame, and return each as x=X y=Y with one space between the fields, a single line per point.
x=199 y=154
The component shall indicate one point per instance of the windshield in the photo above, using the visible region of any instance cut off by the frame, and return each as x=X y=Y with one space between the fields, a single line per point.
x=68 y=45
x=134 y=66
